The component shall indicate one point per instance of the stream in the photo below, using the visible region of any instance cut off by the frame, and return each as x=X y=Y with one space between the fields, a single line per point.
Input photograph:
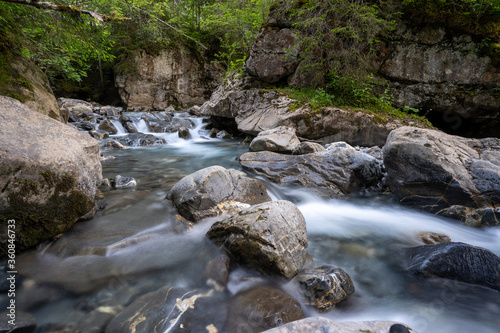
x=136 y=245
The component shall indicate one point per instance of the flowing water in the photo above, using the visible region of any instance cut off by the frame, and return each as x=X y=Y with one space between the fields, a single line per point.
x=137 y=245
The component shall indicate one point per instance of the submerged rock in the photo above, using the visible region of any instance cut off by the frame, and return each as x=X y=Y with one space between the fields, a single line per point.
x=214 y=191
x=340 y=170
x=454 y=261
x=280 y=139
x=269 y=237
x=141 y=140
x=325 y=286
x=324 y=325
x=171 y=310
x=50 y=174
x=121 y=182
x=444 y=174
x=261 y=308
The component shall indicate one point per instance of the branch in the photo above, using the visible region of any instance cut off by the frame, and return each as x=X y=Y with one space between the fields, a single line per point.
x=171 y=27
x=65 y=8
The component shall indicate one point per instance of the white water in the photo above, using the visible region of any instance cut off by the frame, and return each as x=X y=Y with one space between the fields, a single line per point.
x=136 y=245
x=119 y=127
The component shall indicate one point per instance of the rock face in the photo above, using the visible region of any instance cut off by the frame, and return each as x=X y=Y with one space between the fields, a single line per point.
x=170 y=310
x=270 y=237
x=444 y=174
x=31 y=86
x=454 y=261
x=262 y=308
x=334 y=172
x=270 y=59
x=451 y=75
x=50 y=174
x=323 y=325
x=213 y=191
x=256 y=110
x=325 y=286
x=280 y=139
x=173 y=77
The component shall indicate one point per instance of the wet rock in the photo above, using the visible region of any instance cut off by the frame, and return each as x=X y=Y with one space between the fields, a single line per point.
x=324 y=325
x=113 y=144
x=99 y=135
x=281 y=139
x=444 y=174
x=128 y=124
x=195 y=111
x=107 y=126
x=121 y=182
x=214 y=191
x=97 y=320
x=262 y=308
x=217 y=272
x=334 y=172
x=111 y=111
x=325 y=286
x=25 y=322
x=172 y=310
x=183 y=132
x=141 y=140
x=308 y=148
x=454 y=261
x=84 y=126
x=163 y=122
x=431 y=238
x=398 y=328
x=50 y=174
x=223 y=135
x=269 y=237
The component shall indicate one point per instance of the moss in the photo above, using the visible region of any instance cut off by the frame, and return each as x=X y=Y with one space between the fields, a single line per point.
x=37 y=222
x=12 y=81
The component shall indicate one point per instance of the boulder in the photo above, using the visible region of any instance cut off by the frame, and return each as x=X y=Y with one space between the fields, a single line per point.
x=454 y=261
x=444 y=174
x=269 y=237
x=162 y=122
x=99 y=135
x=183 y=132
x=107 y=126
x=26 y=82
x=216 y=272
x=50 y=174
x=128 y=124
x=171 y=310
x=214 y=191
x=261 y=308
x=308 y=148
x=141 y=140
x=323 y=287
x=430 y=238
x=340 y=170
x=75 y=107
x=324 y=325
x=280 y=139
x=112 y=144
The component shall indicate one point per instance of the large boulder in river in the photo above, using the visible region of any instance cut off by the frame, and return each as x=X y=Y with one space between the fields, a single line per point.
x=281 y=139
x=454 y=261
x=445 y=174
x=340 y=170
x=270 y=237
x=50 y=174
x=325 y=286
x=324 y=325
x=171 y=310
x=214 y=191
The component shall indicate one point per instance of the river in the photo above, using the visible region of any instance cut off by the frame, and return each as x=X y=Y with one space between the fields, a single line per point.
x=137 y=245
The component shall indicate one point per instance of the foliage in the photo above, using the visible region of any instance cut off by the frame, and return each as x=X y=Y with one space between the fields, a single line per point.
x=475 y=16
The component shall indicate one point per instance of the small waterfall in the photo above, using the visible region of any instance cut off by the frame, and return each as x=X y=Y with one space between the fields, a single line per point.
x=119 y=127
x=141 y=125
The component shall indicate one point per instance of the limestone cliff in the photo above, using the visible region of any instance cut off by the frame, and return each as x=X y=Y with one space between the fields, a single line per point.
x=174 y=77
